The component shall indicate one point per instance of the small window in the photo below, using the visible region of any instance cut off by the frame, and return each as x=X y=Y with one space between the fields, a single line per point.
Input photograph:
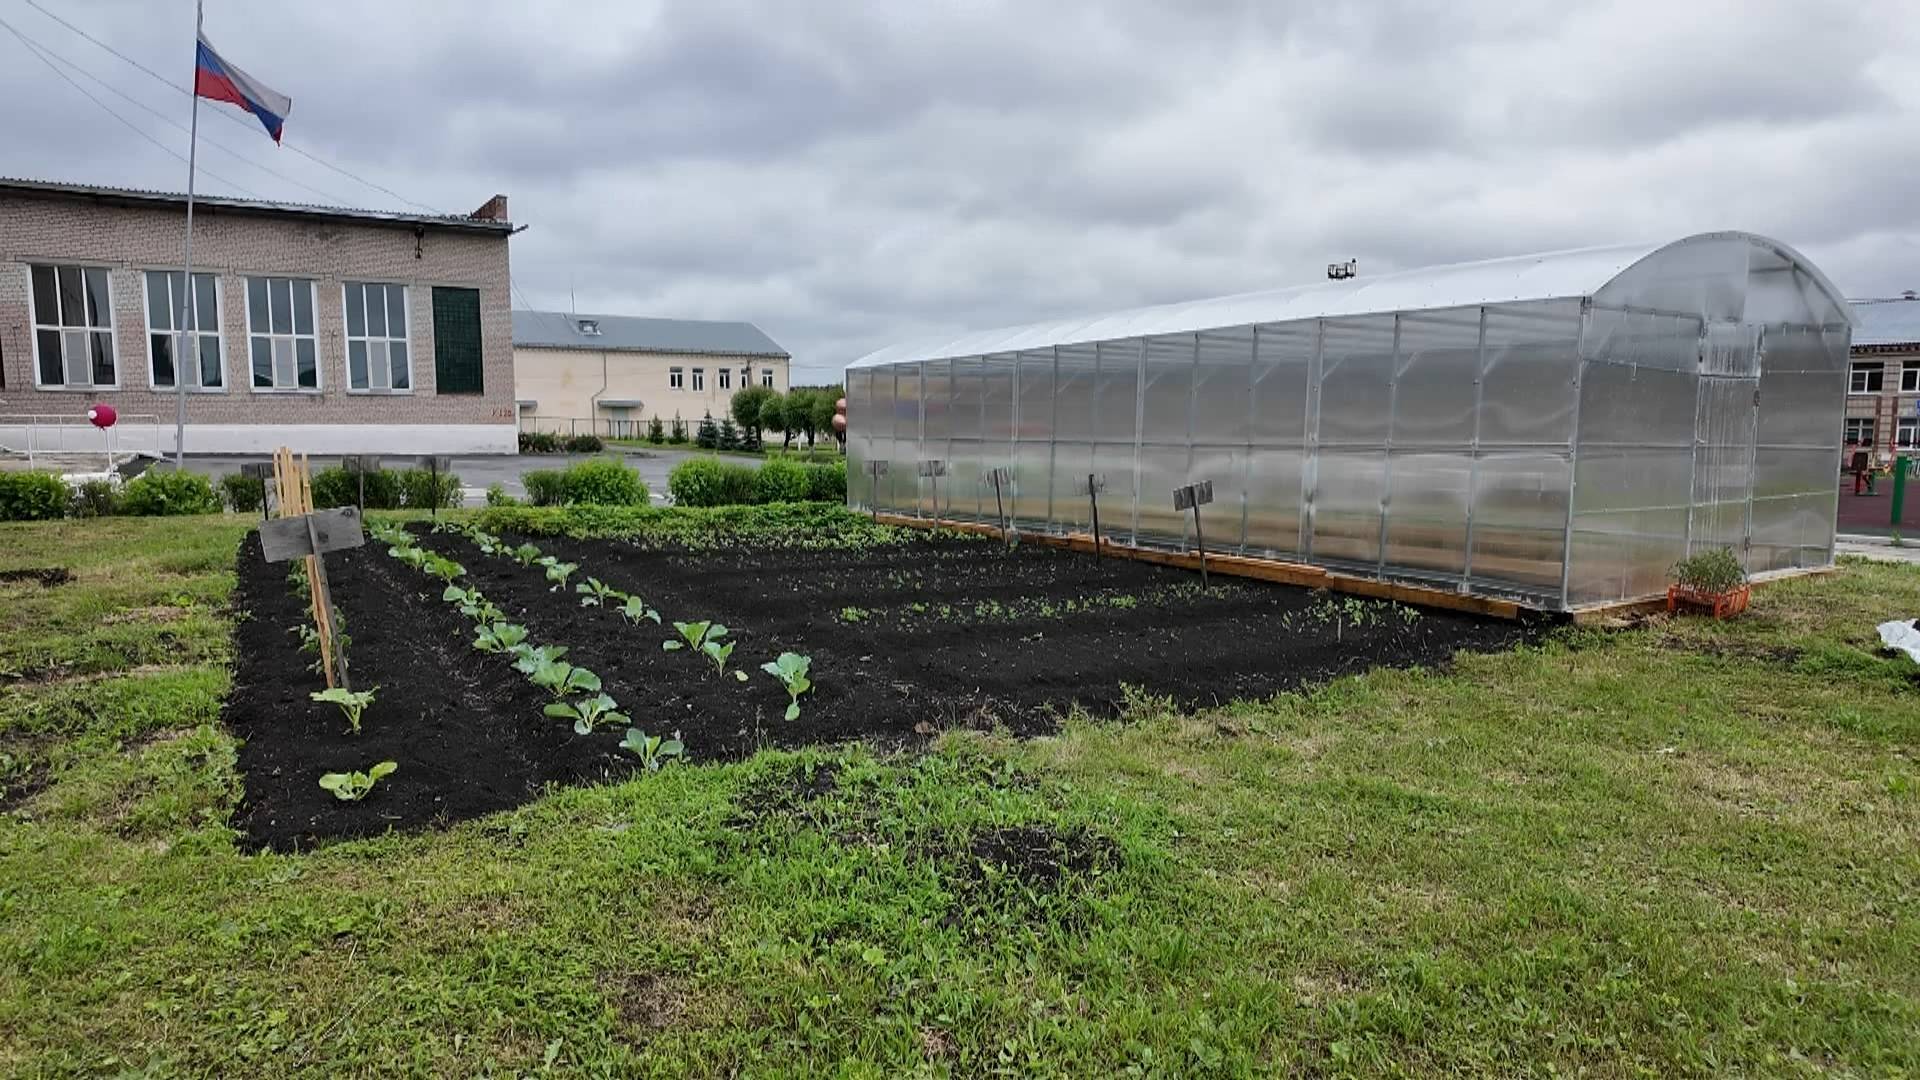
x=766 y=377
x=379 y=354
x=1910 y=377
x=1860 y=430
x=589 y=327
x=699 y=380
x=73 y=327
x=282 y=350
x=676 y=378
x=166 y=297
x=1866 y=378
x=726 y=378
x=1903 y=433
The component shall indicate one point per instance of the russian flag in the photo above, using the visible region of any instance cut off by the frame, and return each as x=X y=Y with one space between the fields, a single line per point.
x=217 y=79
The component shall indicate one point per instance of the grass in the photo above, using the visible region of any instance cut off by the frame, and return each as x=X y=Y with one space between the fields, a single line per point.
x=1686 y=849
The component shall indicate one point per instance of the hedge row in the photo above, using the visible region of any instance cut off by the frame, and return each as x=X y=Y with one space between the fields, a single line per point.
x=711 y=481
x=45 y=496
x=541 y=442
x=594 y=482
x=387 y=489
x=787 y=525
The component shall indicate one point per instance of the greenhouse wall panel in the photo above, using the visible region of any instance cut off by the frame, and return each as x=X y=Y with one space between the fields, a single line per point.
x=1558 y=428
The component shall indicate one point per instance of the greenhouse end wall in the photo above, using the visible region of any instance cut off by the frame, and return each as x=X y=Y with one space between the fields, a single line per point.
x=1556 y=450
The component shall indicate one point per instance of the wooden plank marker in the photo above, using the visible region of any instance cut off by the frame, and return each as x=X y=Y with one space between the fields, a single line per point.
x=437 y=466
x=931 y=471
x=1193 y=497
x=301 y=532
x=358 y=466
x=1001 y=478
x=263 y=472
x=1096 y=483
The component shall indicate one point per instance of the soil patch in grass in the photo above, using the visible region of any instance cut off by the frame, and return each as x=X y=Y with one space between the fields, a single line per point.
x=38 y=575
x=465 y=729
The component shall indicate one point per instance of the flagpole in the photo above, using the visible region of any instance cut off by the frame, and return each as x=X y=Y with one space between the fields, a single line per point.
x=188 y=308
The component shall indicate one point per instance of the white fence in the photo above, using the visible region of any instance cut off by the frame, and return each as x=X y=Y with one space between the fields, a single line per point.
x=32 y=435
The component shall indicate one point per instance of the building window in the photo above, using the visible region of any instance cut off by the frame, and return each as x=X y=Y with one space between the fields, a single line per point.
x=1866 y=378
x=166 y=291
x=281 y=347
x=726 y=378
x=1910 y=377
x=378 y=356
x=459 y=360
x=699 y=379
x=1860 y=430
x=676 y=378
x=766 y=377
x=73 y=327
x=1904 y=430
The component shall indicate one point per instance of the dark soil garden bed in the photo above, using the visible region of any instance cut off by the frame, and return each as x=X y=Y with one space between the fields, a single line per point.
x=905 y=641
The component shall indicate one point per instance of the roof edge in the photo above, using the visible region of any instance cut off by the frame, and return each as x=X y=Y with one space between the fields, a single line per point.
x=134 y=197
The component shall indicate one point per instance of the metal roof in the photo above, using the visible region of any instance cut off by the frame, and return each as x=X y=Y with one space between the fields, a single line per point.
x=1886 y=322
x=627 y=333
x=1561 y=274
x=115 y=196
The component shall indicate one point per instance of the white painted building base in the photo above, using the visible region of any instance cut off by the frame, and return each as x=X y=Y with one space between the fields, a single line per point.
x=265 y=438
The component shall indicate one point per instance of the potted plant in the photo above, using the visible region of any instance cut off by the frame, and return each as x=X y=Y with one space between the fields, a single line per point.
x=1711 y=581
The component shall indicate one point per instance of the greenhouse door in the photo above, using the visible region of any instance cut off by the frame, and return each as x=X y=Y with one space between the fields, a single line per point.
x=1724 y=415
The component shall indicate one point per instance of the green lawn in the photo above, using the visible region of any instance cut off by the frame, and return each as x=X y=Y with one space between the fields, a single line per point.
x=1683 y=849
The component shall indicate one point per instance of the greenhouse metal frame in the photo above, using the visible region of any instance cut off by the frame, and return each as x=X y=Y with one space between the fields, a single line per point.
x=1554 y=429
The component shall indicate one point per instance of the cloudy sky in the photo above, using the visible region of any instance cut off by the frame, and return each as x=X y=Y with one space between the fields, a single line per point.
x=847 y=174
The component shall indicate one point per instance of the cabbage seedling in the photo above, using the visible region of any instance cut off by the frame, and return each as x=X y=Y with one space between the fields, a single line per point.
x=558 y=572
x=652 y=750
x=498 y=637
x=351 y=702
x=412 y=556
x=704 y=637
x=530 y=658
x=597 y=593
x=791 y=669
x=636 y=609
x=559 y=678
x=443 y=568
x=719 y=653
x=525 y=554
x=354 y=786
x=587 y=713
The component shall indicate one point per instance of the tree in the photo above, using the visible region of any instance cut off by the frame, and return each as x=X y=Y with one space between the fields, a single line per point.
x=800 y=413
x=825 y=404
x=707 y=436
x=729 y=434
x=774 y=416
x=747 y=407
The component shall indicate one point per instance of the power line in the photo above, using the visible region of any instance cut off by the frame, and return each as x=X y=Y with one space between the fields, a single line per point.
x=230 y=116
x=182 y=128
x=131 y=126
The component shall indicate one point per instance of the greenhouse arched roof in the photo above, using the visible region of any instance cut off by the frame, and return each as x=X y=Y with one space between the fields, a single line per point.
x=1552 y=275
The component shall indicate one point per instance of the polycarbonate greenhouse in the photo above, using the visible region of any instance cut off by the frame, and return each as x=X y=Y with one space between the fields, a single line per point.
x=1557 y=429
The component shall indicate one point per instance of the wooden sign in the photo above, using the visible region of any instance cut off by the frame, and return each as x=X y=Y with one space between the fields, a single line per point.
x=311 y=534
x=1191 y=496
x=259 y=470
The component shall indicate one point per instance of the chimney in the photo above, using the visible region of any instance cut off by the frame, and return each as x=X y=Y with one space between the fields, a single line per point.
x=494 y=209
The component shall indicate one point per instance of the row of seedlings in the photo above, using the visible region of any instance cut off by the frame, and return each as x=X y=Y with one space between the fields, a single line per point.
x=354 y=785
x=577 y=692
x=704 y=638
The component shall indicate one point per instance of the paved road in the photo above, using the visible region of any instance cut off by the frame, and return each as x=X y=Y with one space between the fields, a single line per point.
x=479 y=472
x=1874 y=547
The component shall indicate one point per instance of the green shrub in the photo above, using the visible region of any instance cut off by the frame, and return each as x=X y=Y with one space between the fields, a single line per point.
x=678 y=435
x=810 y=526
x=583 y=444
x=539 y=442
x=656 y=431
x=603 y=482
x=729 y=434
x=545 y=487
x=780 y=480
x=33 y=496
x=708 y=436
x=95 y=498
x=421 y=489
x=244 y=494
x=1715 y=570
x=337 y=487
x=162 y=494
x=706 y=481
x=497 y=496
x=827 y=481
